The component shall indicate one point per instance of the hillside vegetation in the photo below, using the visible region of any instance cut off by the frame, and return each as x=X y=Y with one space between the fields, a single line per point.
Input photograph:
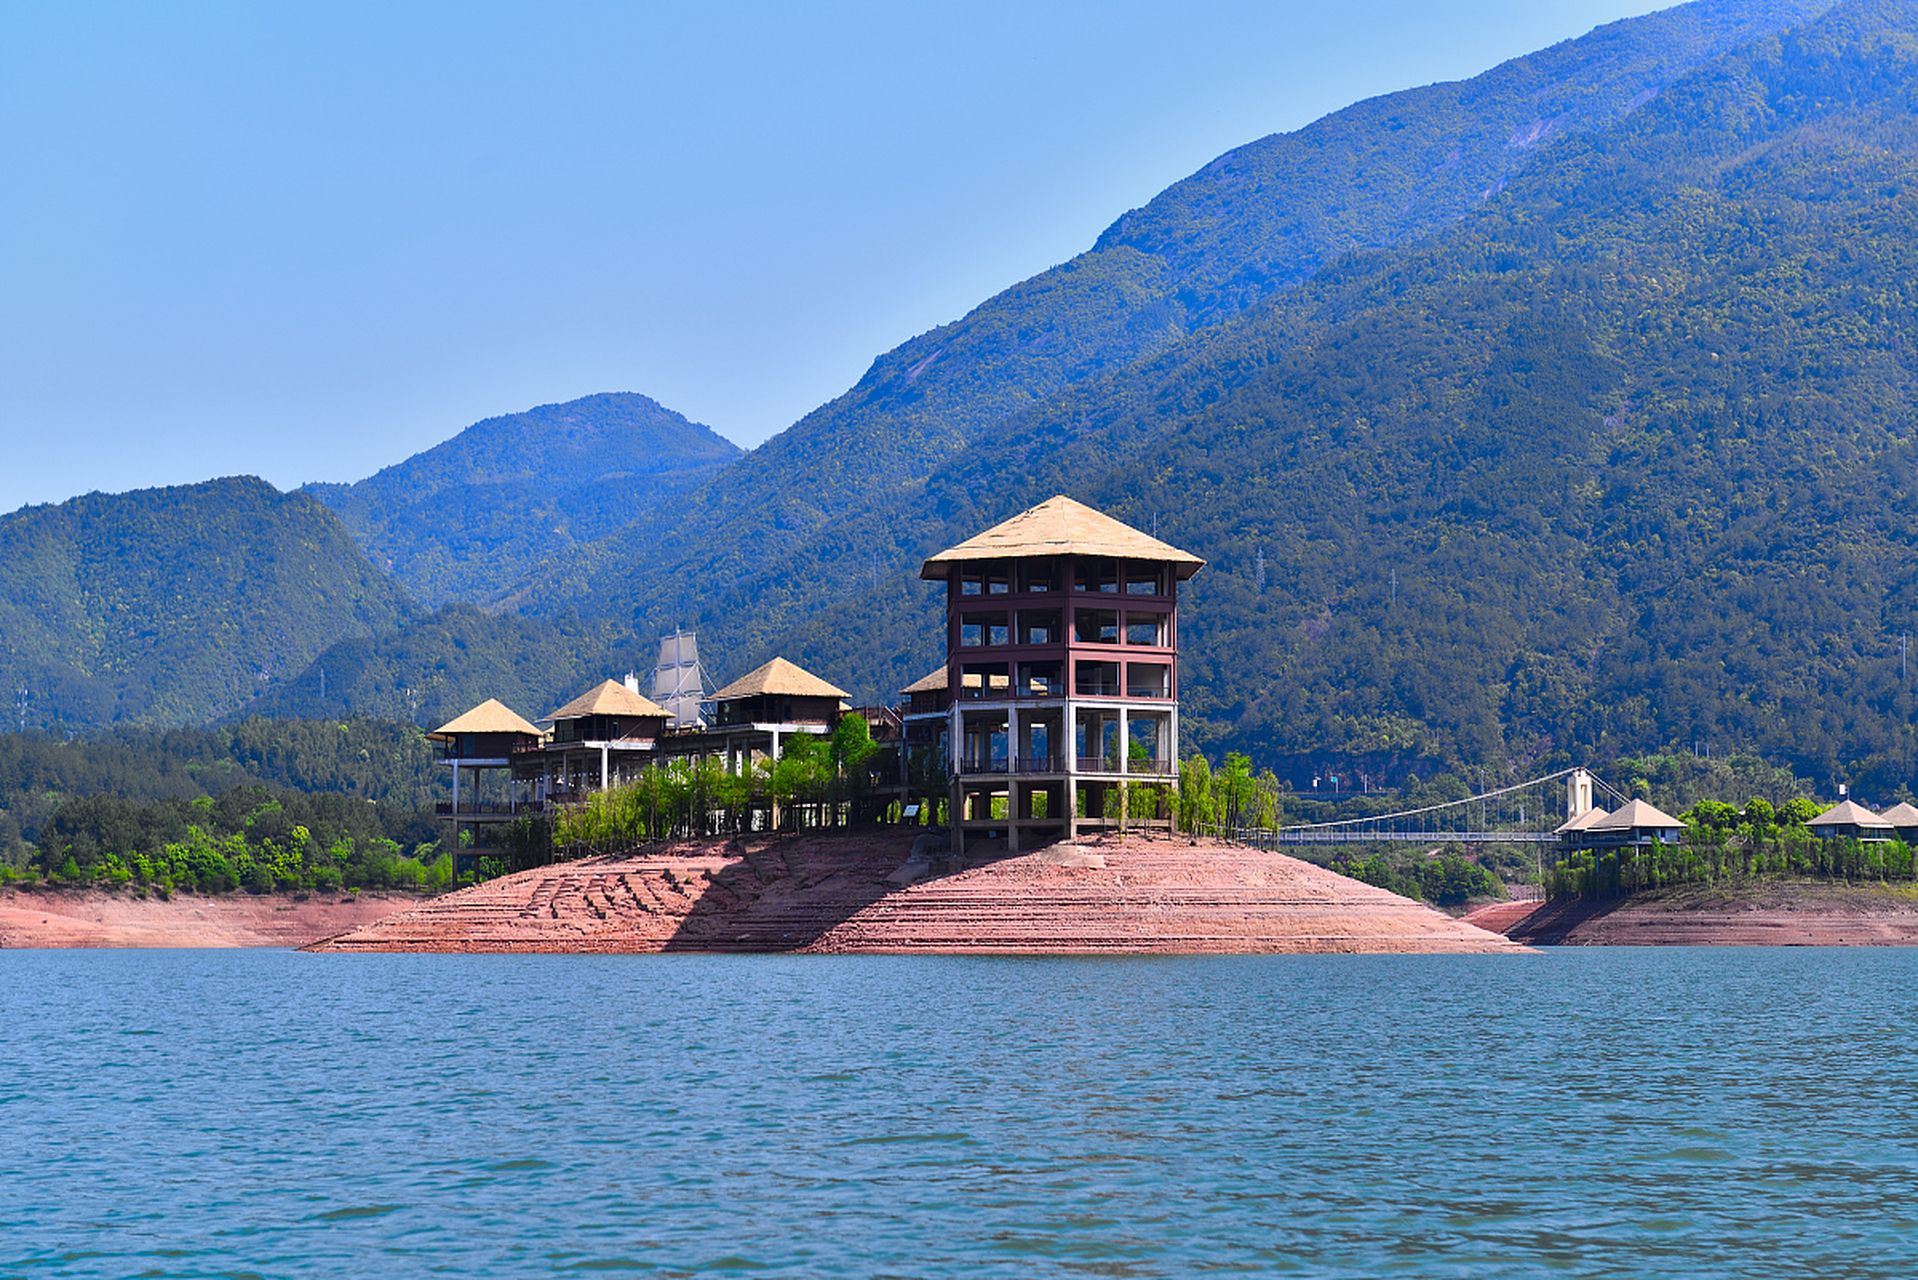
x=747 y=556
x=480 y=511
x=1624 y=460
x=175 y=606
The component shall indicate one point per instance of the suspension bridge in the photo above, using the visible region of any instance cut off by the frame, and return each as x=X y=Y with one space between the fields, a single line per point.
x=1528 y=812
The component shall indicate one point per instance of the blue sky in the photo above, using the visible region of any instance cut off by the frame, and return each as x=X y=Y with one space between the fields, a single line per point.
x=304 y=242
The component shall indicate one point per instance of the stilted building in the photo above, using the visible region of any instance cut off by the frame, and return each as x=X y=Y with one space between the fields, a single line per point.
x=754 y=714
x=1062 y=647
x=479 y=745
x=606 y=735
x=1849 y=820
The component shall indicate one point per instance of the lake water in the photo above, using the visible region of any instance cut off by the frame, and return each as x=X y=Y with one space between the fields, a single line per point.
x=1581 y=1112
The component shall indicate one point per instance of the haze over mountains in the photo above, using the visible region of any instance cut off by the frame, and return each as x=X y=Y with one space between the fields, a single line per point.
x=1561 y=412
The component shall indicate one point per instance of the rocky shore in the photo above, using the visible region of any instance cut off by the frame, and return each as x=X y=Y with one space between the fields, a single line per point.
x=99 y=918
x=849 y=893
x=1810 y=913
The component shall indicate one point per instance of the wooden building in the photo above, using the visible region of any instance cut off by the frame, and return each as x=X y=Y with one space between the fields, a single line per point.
x=1062 y=640
x=756 y=713
x=1631 y=824
x=604 y=736
x=1848 y=820
x=481 y=746
x=1903 y=819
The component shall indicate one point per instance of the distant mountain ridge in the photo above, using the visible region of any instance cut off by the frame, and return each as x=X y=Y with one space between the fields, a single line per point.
x=472 y=515
x=175 y=606
x=1251 y=225
x=809 y=544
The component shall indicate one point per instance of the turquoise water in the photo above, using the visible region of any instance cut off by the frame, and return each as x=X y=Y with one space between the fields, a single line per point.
x=1579 y=1112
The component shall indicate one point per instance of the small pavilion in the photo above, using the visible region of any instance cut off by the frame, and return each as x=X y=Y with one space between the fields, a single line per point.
x=604 y=736
x=1903 y=818
x=481 y=742
x=1848 y=820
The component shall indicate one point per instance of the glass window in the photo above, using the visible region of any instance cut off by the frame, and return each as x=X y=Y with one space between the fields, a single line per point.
x=1145 y=628
x=1040 y=626
x=976 y=629
x=1097 y=626
x=1144 y=579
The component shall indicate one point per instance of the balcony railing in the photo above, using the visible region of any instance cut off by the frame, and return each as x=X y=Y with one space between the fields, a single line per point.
x=1009 y=693
x=1001 y=765
x=1111 y=764
x=444 y=809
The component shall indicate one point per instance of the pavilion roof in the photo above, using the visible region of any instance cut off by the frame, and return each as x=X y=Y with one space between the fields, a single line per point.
x=609 y=698
x=780 y=677
x=1060 y=526
x=1582 y=821
x=935 y=680
x=490 y=716
x=1847 y=814
x=1901 y=815
x=1635 y=815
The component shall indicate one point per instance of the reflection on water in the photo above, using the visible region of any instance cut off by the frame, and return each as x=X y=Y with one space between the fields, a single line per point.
x=1587 y=1112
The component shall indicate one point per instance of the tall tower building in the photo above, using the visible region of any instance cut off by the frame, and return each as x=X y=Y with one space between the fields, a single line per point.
x=1062 y=664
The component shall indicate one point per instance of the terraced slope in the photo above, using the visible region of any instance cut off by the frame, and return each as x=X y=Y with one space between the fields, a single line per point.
x=833 y=894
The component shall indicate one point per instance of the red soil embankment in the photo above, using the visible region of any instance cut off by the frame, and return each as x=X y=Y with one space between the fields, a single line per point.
x=1799 y=913
x=94 y=918
x=832 y=893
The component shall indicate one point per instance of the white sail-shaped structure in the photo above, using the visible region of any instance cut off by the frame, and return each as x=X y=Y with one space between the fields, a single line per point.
x=679 y=683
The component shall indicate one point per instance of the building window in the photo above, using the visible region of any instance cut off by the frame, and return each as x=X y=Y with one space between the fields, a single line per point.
x=1039 y=575
x=1148 y=680
x=987 y=578
x=1041 y=679
x=1097 y=626
x=1098 y=679
x=1092 y=575
x=1145 y=628
x=1144 y=579
x=1040 y=626
x=984 y=680
x=977 y=629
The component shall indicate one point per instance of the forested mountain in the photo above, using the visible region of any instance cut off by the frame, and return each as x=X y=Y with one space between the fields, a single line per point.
x=435 y=666
x=1562 y=414
x=476 y=513
x=1613 y=462
x=1628 y=458
x=1252 y=224
x=175 y=606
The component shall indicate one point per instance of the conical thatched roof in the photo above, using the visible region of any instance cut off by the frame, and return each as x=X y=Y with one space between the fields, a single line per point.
x=931 y=682
x=1635 y=815
x=1582 y=821
x=780 y=677
x=490 y=716
x=609 y=698
x=1901 y=815
x=1059 y=526
x=1847 y=814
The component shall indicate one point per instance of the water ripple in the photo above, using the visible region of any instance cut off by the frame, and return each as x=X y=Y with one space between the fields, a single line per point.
x=1583 y=1113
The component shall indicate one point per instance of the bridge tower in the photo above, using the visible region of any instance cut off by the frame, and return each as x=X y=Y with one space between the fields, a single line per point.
x=1578 y=794
x=1062 y=642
